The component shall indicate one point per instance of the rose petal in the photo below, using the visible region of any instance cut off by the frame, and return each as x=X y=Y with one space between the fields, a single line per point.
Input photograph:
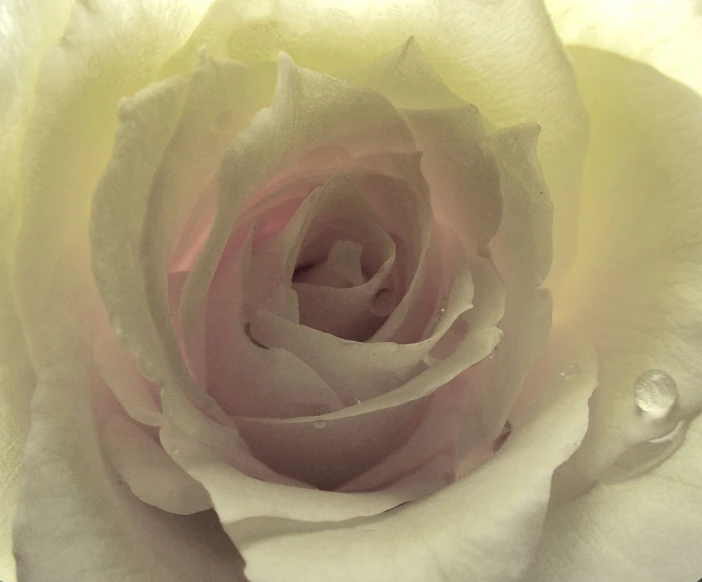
x=224 y=441
x=363 y=371
x=461 y=172
x=505 y=57
x=76 y=521
x=521 y=250
x=665 y=35
x=421 y=457
x=635 y=287
x=328 y=453
x=118 y=370
x=28 y=33
x=150 y=473
x=406 y=77
x=222 y=99
x=172 y=134
x=103 y=57
x=340 y=269
x=249 y=378
x=228 y=487
x=273 y=265
x=16 y=385
x=278 y=441
x=483 y=527
x=647 y=529
x=56 y=189
x=309 y=111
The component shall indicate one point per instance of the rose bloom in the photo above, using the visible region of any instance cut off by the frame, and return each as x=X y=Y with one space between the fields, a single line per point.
x=351 y=291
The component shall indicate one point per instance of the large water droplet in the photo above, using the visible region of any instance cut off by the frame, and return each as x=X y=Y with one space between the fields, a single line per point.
x=570 y=372
x=655 y=392
x=319 y=423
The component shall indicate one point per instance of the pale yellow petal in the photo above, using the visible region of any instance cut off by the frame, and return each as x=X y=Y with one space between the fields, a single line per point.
x=109 y=50
x=664 y=33
x=483 y=527
x=648 y=529
x=16 y=387
x=502 y=56
x=77 y=521
x=635 y=287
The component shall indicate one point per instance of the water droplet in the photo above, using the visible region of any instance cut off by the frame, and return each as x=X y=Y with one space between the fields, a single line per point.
x=570 y=372
x=176 y=451
x=655 y=392
x=491 y=355
x=358 y=401
x=319 y=423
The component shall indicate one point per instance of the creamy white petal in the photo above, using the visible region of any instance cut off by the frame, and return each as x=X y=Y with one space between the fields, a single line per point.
x=485 y=526
x=505 y=57
x=646 y=529
x=16 y=386
x=405 y=77
x=635 y=285
x=461 y=171
x=309 y=111
x=149 y=472
x=119 y=372
x=76 y=521
x=664 y=33
x=521 y=251
x=247 y=377
x=241 y=501
x=101 y=58
x=170 y=141
x=222 y=98
x=27 y=32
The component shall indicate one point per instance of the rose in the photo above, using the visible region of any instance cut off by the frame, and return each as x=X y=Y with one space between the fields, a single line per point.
x=58 y=340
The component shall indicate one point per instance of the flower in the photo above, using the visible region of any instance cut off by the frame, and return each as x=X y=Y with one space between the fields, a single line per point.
x=293 y=307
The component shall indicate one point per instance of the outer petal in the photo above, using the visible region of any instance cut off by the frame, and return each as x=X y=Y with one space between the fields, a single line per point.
x=16 y=385
x=664 y=33
x=27 y=30
x=77 y=521
x=635 y=287
x=502 y=56
x=170 y=140
x=483 y=527
x=26 y=33
x=648 y=529
x=102 y=57
x=522 y=252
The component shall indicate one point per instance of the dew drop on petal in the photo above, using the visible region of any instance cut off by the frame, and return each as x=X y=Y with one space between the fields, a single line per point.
x=319 y=423
x=655 y=392
x=570 y=372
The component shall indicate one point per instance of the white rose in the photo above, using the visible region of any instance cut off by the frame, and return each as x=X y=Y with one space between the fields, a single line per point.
x=279 y=292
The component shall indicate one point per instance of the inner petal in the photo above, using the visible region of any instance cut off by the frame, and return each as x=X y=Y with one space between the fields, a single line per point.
x=352 y=313
x=341 y=268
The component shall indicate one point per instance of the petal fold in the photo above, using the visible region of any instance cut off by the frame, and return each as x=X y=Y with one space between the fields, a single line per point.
x=635 y=287
x=485 y=526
